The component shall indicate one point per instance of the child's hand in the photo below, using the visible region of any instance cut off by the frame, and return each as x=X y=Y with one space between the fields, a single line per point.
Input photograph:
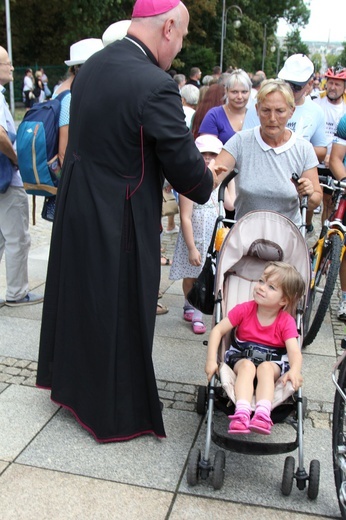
x=296 y=378
x=195 y=257
x=210 y=368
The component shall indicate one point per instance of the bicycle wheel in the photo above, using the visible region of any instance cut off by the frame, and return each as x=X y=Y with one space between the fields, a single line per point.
x=339 y=442
x=322 y=291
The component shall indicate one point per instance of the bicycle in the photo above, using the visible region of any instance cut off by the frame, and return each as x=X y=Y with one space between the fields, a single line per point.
x=326 y=256
x=339 y=430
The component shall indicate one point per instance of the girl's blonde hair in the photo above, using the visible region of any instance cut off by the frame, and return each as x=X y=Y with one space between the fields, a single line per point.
x=290 y=281
x=275 y=85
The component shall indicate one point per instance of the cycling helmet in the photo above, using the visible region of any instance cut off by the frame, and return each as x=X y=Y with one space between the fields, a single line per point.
x=333 y=73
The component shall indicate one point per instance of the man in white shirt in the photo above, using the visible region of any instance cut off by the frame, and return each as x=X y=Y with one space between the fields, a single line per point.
x=14 y=207
x=333 y=103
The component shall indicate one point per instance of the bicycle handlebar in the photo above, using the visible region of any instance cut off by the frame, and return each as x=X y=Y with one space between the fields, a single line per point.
x=332 y=184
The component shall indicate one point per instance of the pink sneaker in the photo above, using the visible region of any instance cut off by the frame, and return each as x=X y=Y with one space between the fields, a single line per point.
x=261 y=423
x=239 y=423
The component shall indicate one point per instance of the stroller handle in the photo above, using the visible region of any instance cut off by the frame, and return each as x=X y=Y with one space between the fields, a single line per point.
x=224 y=184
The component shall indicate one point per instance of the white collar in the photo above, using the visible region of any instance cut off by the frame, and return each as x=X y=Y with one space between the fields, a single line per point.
x=135 y=43
x=280 y=149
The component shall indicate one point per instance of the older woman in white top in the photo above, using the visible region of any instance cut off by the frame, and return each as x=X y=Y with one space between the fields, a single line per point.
x=268 y=155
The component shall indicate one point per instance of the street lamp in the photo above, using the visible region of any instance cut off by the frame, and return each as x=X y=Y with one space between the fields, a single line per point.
x=264 y=50
x=236 y=23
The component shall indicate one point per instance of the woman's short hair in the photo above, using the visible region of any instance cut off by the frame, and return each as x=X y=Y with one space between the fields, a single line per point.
x=190 y=93
x=238 y=76
x=276 y=85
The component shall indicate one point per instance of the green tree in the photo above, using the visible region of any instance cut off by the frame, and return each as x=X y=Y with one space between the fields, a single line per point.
x=43 y=35
x=294 y=44
x=332 y=60
x=316 y=59
x=342 y=56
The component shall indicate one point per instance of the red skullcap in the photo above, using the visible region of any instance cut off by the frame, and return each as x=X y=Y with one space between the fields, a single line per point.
x=144 y=8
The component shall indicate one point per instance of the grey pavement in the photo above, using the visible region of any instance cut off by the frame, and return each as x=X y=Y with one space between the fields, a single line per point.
x=50 y=468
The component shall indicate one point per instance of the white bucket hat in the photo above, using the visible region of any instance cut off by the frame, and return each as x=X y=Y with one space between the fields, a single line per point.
x=82 y=50
x=116 y=31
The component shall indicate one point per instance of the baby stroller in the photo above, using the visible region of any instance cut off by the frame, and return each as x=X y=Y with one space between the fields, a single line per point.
x=258 y=237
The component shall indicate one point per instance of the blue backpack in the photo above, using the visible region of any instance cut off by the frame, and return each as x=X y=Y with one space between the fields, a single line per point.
x=37 y=147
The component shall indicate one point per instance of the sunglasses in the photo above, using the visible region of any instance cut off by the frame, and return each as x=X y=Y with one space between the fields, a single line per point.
x=295 y=87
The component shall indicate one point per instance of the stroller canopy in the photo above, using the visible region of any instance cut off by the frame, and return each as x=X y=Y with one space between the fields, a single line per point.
x=258 y=237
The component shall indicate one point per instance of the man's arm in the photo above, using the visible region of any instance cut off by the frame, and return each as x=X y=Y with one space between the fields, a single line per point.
x=6 y=146
x=321 y=152
x=336 y=162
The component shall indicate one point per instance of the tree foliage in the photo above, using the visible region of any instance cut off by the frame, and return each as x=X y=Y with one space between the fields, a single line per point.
x=316 y=59
x=342 y=56
x=294 y=44
x=43 y=34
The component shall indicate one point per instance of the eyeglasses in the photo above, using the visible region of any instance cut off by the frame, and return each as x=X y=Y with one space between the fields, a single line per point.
x=8 y=63
x=295 y=87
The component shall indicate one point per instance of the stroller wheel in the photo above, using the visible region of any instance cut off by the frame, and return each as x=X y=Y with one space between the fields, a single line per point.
x=314 y=479
x=201 y=400
x=193 y=467
x=219 y=469
x=287 y=476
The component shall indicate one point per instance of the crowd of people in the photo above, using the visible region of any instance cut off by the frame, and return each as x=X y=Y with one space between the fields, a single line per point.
x=117 y=146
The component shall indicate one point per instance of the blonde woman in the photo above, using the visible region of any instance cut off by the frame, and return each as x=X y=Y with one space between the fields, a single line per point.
x=227 y=119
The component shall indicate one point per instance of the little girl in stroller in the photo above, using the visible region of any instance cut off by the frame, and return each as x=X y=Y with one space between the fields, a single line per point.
x=265 y=346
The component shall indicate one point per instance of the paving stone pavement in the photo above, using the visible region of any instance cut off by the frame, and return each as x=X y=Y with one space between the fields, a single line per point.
x=51 y=468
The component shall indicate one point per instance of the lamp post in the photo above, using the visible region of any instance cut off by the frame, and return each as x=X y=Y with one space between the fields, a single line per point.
x=9 y=50
x=264 y=51
x=237 y=24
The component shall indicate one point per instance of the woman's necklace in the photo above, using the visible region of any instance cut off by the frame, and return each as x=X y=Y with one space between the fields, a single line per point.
x=235 y=118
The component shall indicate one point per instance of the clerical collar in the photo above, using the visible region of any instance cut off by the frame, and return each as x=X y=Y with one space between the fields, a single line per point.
x=142 y=47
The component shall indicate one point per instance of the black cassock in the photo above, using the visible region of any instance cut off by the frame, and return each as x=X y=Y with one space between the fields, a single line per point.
x=126 y=132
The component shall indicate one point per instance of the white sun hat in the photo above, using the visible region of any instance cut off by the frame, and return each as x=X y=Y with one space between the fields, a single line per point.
x=208 y=143
x=82 y=50
x=116 y=31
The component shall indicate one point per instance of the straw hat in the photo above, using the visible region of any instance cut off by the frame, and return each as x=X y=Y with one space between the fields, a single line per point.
x=82 y=50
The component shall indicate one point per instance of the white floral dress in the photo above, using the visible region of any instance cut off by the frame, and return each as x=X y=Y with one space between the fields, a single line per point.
x=203 y=221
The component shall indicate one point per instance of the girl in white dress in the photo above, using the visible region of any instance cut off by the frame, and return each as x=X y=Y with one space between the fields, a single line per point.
x=197 y=224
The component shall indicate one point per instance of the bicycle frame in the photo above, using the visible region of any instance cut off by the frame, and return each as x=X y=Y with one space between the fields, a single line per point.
x=339 y=361
x=334 y=226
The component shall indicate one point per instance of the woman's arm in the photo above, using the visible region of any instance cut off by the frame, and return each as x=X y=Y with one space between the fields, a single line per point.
x=63 y=138
x=186 y=208
x=222 y=165
x=309 y=185
x=295 y=360
x=230 y=196
x=216 y=334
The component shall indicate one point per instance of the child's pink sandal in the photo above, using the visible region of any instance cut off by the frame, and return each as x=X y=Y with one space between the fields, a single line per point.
x=198 y=327
x=188 y=313
x=261 y=423
x=239 y=424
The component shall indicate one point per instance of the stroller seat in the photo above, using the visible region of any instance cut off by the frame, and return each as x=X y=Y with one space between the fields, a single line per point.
x=258 y=237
